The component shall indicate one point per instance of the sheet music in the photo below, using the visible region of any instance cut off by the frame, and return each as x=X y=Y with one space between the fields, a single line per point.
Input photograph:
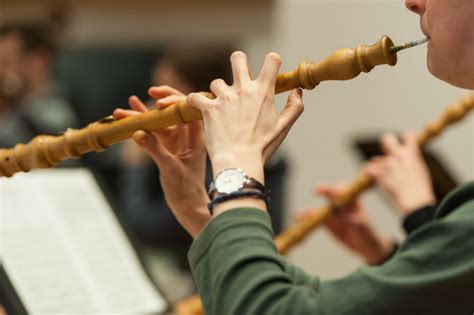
x=65 y=251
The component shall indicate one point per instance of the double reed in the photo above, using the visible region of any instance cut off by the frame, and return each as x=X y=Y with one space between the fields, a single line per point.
x=46 y=151
x=298 y=232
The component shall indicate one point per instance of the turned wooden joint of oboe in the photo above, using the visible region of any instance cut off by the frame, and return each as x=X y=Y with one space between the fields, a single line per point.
x=453 y=114
x=69 y=146
x=344 y=64
x=24 y=157
x=378 y=54
x=456 y=112
x=305 y=76
x=93 y=138
x=365 y=58
x=9 y=161
x=45 y=156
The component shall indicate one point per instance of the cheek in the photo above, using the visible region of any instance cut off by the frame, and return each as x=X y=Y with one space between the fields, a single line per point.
x=451 y=47
x=449 y=65
x=446 y=46
x=439 y=60
x=451 y=25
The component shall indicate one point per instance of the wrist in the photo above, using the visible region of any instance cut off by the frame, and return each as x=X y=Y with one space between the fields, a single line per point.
x=409 y=206
x=193 y=218
x=186 y=203
x=250 y=162
x=190 y=208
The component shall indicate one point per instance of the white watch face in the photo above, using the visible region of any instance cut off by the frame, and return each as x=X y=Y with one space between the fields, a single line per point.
x=230 y=180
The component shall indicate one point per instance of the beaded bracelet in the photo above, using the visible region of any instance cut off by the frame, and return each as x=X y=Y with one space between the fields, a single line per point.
x=239 y=194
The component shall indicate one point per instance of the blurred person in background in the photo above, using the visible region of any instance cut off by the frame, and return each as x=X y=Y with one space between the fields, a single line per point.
x=31 y=102
x=188 y=69
x=404 y=174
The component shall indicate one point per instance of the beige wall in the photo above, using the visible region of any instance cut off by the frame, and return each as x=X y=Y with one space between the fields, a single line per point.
x=142 y=23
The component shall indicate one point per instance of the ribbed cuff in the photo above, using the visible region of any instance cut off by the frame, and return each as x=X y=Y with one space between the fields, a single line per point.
x=417 y=218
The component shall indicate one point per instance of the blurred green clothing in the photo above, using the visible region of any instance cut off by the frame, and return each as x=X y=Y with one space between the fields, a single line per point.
x=239 y=271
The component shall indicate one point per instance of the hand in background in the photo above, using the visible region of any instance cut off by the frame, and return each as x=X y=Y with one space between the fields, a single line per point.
x=352 y=228
x=403 y=173
x=180 y=154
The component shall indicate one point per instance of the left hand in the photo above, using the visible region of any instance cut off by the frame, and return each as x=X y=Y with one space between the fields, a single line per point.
x=180 y=154
x=242 y=127
x=351 y=227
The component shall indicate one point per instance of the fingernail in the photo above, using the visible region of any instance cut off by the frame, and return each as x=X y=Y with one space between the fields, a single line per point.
x=300 y=92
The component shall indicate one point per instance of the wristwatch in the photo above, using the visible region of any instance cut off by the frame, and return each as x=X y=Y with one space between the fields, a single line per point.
x=231 y=180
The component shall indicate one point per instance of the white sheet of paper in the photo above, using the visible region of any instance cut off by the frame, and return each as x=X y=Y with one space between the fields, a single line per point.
x=64 y=250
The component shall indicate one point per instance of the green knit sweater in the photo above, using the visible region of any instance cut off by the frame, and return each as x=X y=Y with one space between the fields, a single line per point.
x=239 y=271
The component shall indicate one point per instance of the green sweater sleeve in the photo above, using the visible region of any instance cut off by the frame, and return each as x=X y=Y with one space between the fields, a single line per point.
x=256 y=278
x=238 y=271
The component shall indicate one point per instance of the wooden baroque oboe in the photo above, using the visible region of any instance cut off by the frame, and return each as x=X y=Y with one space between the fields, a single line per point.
x=46 y=151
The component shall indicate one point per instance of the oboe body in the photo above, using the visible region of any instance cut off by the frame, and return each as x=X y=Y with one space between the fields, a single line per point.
x=46 y=151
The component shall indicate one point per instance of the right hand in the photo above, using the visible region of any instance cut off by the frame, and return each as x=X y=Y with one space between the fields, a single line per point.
x=132 y=156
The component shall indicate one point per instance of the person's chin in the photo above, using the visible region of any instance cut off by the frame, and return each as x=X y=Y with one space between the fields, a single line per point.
x=432 y=65
x=435 y=64
x=437 y=70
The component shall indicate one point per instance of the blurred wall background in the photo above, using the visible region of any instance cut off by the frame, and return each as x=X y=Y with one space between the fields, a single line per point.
x=320 y=145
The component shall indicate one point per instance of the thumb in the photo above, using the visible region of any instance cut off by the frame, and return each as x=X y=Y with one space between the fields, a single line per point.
x=290 y=113
x=199 y=101
x=293 y=109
